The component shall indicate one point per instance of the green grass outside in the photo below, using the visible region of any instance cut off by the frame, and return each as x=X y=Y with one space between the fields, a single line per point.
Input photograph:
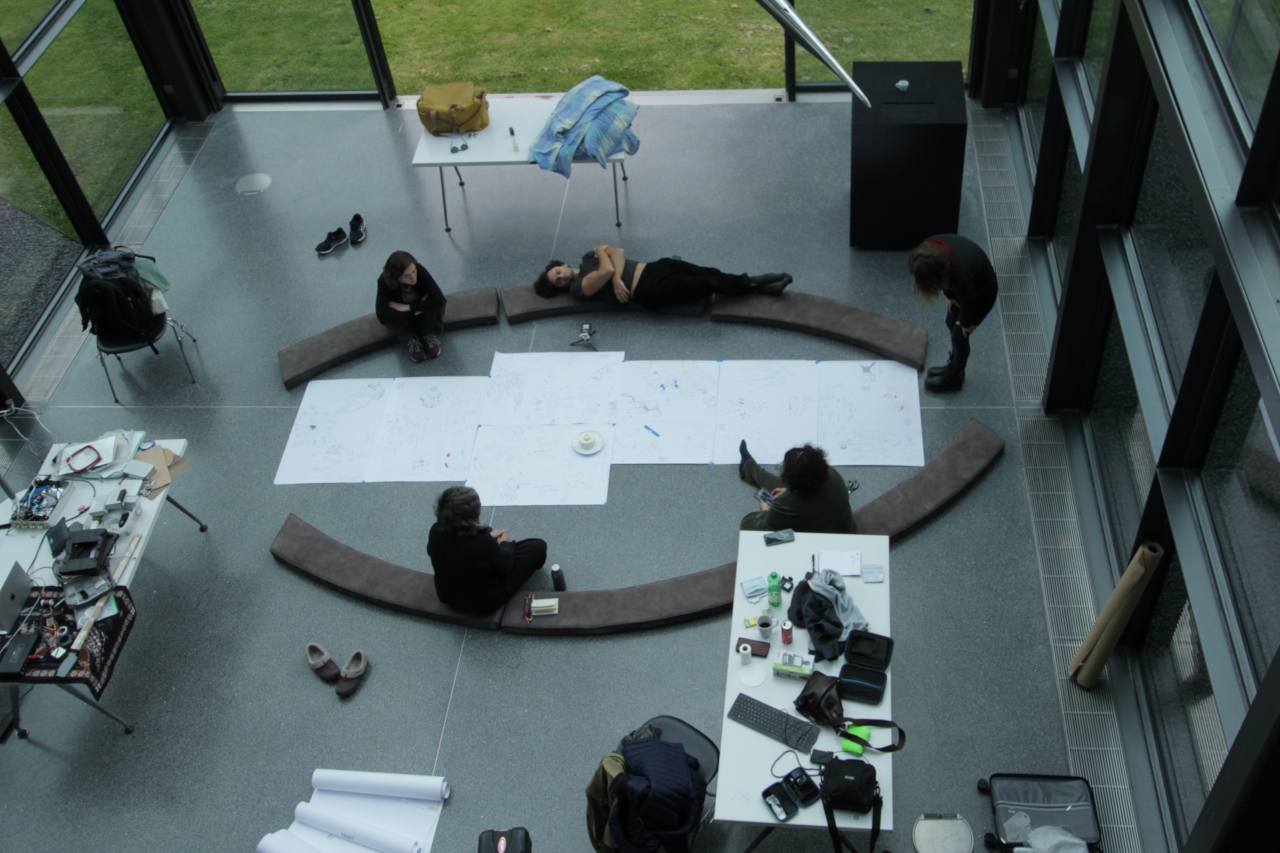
x=101 y=108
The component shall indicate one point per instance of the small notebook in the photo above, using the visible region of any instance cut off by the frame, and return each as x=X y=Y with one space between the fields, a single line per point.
x=847 y=563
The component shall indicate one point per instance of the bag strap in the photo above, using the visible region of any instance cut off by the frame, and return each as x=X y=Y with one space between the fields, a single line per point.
x=899 y=742
x=838 y=841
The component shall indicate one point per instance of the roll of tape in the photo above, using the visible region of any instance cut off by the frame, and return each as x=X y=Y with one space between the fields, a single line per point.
x=744 y=654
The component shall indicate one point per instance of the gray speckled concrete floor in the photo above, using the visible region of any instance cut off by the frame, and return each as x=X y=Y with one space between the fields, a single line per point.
x=230 y=721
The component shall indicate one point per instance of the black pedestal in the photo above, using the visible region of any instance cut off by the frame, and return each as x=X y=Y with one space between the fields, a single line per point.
x=907 y=153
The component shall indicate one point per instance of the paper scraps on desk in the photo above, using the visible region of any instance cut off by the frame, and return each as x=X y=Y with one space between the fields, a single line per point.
x=166 y=465
x=872 y=573
x=845 y=563
x=111 y=608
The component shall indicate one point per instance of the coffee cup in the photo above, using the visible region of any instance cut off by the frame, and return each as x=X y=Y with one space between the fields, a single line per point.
x=765 y=623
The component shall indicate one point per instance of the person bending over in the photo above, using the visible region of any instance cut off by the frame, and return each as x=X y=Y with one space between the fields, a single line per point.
x=606 y=274
x=809 y=497
x=410 y=301
x=477 y=568
x=959 y=270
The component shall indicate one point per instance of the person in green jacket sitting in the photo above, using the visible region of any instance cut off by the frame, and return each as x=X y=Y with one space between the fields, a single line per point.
x=809 y=496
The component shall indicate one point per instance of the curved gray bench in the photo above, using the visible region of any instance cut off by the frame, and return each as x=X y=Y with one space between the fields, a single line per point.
x=522 y=304
x=934 y=486
x=316 y=354
x=828 y=318
x=632 y=608
x=310 y=551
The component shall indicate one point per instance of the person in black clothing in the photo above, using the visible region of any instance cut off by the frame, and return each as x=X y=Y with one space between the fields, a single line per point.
x=809 y=496
x=959 y=270
x=477 y=568
x=606 y=274
x=410 y=301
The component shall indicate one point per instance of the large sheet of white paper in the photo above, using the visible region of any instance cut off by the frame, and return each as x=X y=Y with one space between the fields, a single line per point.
x=427 y=430
x=521 y=465
x=771 y=404
x=331 y=434
x=665 y=412
x=869 y=413
x=551 y=388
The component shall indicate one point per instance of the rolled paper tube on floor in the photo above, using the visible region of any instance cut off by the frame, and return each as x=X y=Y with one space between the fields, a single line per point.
x=1086 y=667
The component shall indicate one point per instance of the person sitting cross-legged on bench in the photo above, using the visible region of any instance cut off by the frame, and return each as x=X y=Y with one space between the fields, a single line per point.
x=410 y=301
x=606 y=274
x=476 y=567
x=809 y=497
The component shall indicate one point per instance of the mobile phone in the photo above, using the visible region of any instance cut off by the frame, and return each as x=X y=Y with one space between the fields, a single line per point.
x=802 y=786
x=777 y=537
x=765 y=495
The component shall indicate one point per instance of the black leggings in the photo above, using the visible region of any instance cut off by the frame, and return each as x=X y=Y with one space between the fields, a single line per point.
x=419 y=325
x=669 y=281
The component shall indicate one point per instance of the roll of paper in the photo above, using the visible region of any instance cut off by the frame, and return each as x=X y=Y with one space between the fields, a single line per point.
x=744 y=654
x=353 y=829
x=408 y=785
x=284 y=841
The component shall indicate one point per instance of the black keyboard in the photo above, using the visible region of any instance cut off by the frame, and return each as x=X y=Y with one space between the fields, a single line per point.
x=769 y=721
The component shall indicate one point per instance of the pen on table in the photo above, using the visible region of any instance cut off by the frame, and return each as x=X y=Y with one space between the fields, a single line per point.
x=514 y=146
x=813 y=562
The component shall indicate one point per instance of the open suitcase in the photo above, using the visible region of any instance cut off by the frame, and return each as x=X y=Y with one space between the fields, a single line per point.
x=1023 y=802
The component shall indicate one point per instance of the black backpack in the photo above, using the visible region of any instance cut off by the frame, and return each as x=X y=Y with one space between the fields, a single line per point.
x=112 y=300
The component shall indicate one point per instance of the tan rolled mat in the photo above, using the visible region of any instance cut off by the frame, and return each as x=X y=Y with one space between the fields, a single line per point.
x=939 y=482
x=1086 y=667
x=632 y=608
x=307 y=550
x=314 y=355
x=828 y=318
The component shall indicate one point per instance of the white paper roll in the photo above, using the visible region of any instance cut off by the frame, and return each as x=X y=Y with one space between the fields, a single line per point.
x=284 y=841
x=409 y=785
x=354 y=830
x=744 y=654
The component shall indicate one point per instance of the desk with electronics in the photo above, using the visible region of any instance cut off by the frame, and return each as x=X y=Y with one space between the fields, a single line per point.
x=71 y=544
x=771 y=663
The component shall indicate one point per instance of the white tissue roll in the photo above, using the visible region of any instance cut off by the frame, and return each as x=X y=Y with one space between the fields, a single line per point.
x=355 y=830
x=408 y=785
x=744 y=653
x=284 y=841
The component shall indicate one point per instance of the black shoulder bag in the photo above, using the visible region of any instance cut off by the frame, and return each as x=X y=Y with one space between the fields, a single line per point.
x=849 y=784
x=819 y=701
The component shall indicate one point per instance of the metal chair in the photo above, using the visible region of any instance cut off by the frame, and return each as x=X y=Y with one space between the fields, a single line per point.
x=696 y=744
x=118 y=346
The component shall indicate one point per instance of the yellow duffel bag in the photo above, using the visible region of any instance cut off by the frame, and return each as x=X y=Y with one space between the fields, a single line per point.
x=447 y=108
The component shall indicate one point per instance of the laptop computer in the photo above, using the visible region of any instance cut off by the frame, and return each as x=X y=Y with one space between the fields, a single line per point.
x=13 y=595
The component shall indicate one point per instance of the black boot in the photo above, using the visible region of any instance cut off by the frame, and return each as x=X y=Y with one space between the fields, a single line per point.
x=940 y=369
x=948 y=380
x=771 y=285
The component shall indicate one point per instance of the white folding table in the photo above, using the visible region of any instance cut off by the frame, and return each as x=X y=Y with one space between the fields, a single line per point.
x=745 y=755
x=514 y=124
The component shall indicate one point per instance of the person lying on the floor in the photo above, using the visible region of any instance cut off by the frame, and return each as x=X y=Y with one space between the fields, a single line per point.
x=476 y=567
x=410 y=301
x=809 y=497
x=606 y=274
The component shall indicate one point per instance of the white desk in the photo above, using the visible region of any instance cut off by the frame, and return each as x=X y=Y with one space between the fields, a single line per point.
x=745 y=755
x=30 y=547
x=526 y=115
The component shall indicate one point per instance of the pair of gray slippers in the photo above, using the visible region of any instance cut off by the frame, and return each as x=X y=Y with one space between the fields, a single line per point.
x=348 y=678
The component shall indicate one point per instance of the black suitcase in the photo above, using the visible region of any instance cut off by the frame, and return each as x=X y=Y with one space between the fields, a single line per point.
x=1022 y=802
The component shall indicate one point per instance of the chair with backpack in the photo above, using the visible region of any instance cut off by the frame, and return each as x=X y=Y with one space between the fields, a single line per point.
x=121 y=302
x=649 y=794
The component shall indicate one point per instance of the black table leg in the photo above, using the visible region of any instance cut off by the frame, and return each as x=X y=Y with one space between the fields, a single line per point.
x=128 y=727
x=14 y=723
x=764 y=833
x=616 y=215
x=444 y=202
x=203 y=527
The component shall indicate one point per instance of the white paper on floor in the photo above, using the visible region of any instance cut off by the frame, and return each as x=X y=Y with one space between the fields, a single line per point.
x=427 y=430
x=521 y=465
x=773 y=405
x=869 y=413
x=331 y=435
x=665 y=412
x=551 y=388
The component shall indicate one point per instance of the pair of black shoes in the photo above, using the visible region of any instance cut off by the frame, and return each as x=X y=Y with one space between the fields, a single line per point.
x=941 y=380
x=337 y=237
x=770 y=284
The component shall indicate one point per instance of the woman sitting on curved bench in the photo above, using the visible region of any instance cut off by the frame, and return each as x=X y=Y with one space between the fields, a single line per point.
x=477 y=568
x=606 y=274
x=410 y=302
x=809 y=497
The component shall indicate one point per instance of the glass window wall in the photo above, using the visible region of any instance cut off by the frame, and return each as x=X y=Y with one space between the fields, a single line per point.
x=1039 y=76
x=18 y=18
x=294 y=45
x=1175 y=259
x=1241 y=477
x=97 y=100
x=1247 y=33
x=1064 y=230
x=1120 y=436
x=1095 y=46
x=1188 y=728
